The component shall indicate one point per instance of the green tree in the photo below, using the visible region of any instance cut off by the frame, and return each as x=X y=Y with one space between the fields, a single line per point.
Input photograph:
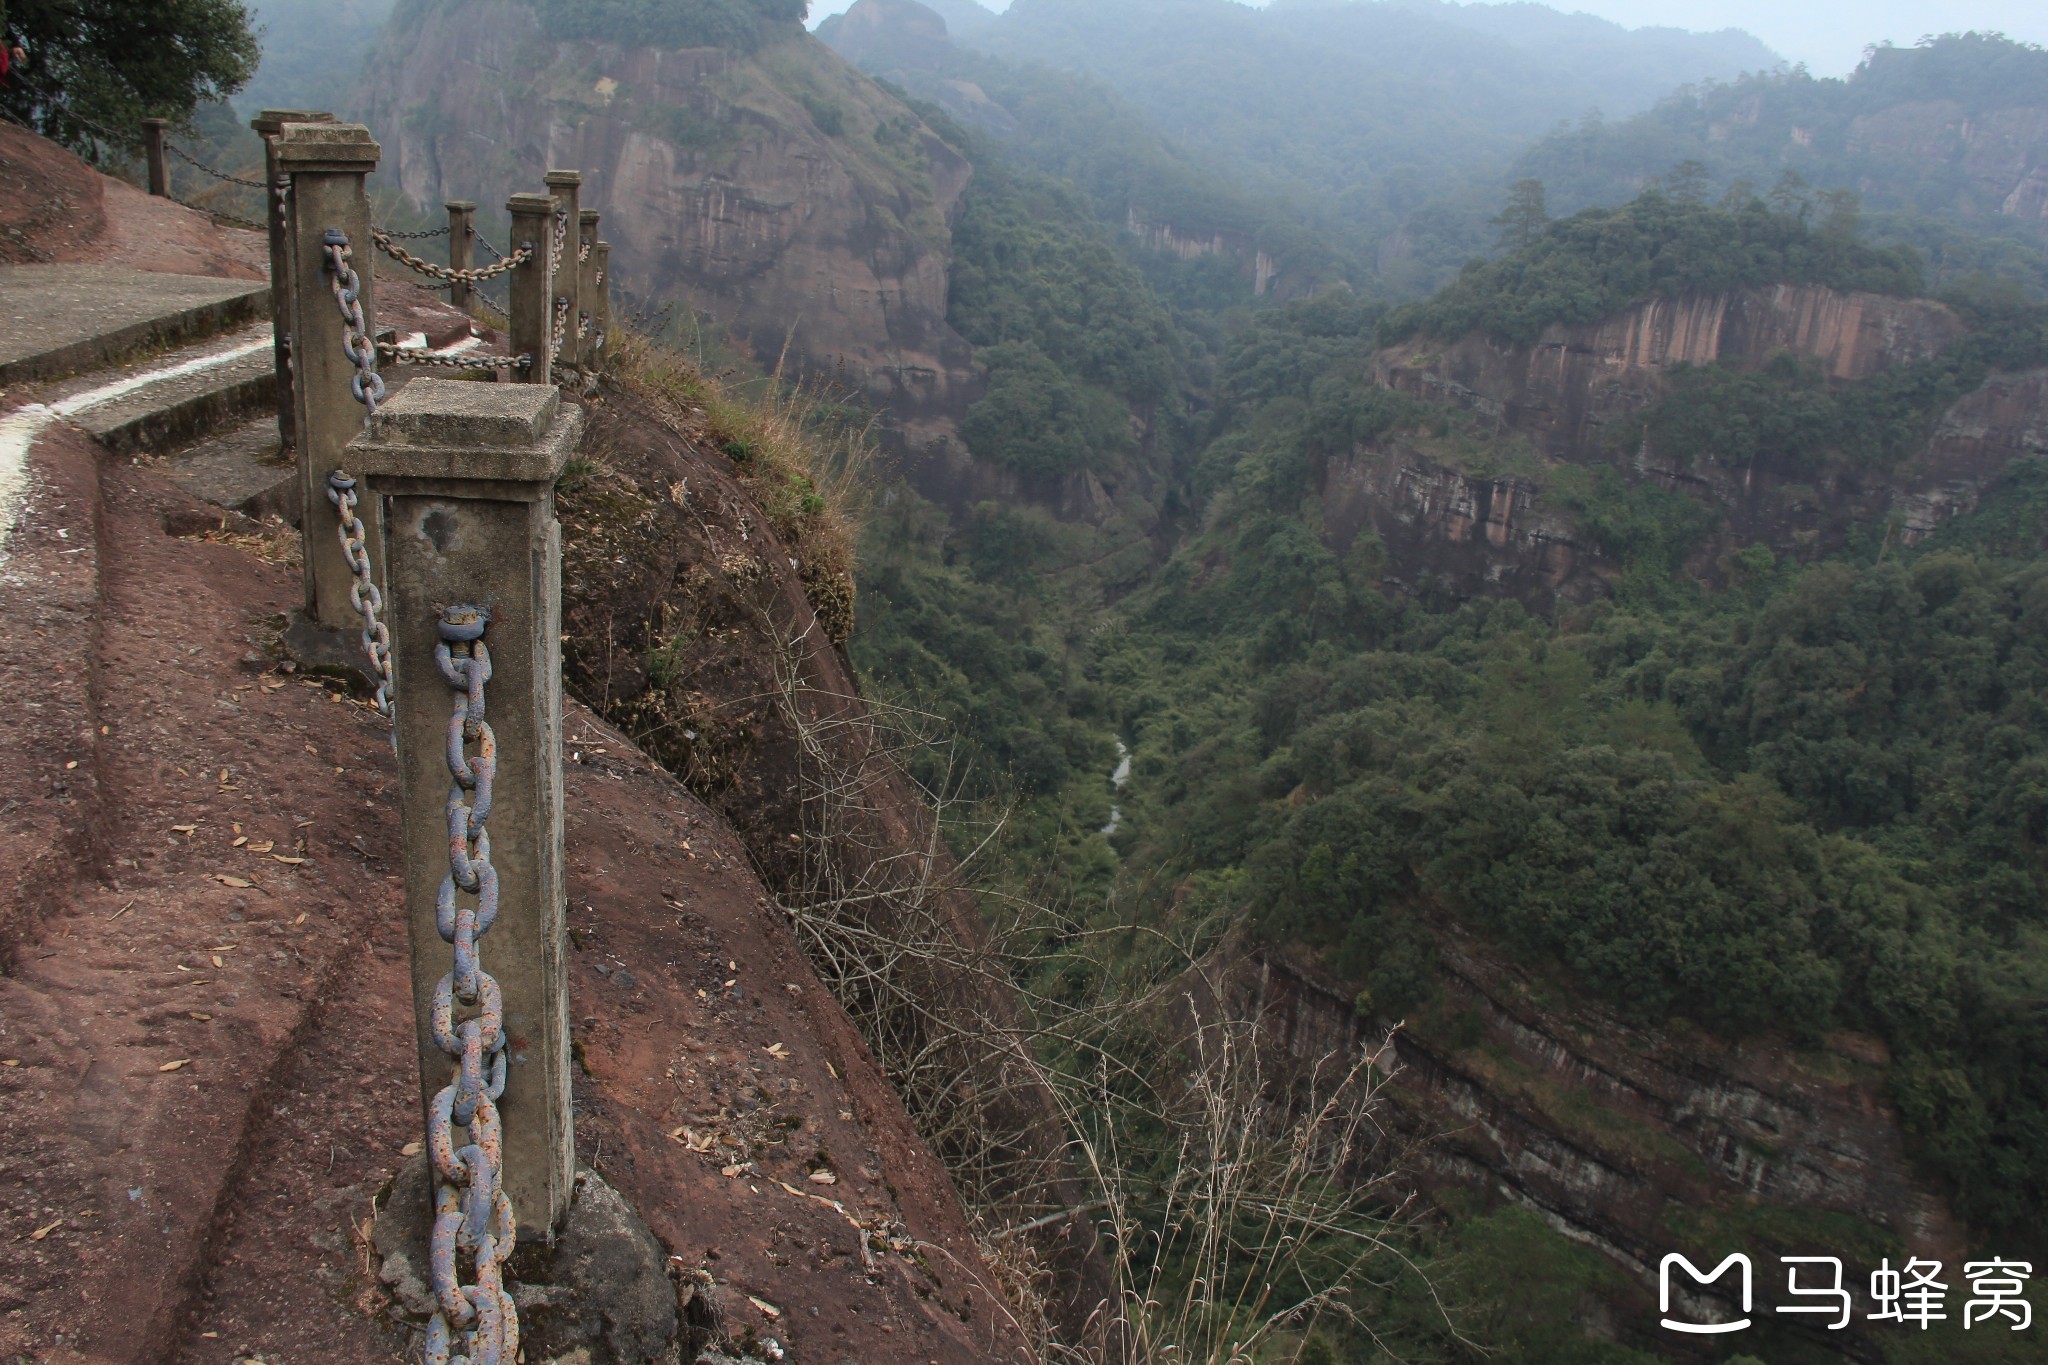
x=1789 y=196
x=93 y=69
x=1521 y=222
x=1844 y=213
x=1688 y=182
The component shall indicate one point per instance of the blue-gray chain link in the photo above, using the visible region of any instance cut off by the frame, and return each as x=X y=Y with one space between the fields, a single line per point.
x=363 y=593
x=356 y=342
x=474 y=1323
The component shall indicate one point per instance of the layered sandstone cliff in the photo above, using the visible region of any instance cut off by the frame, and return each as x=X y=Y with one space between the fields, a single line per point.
x=785 y=199
x=1633 y=1141
x=1573 y=399
x=1577 y=380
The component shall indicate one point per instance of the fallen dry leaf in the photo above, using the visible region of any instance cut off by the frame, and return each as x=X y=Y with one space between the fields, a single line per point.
x=766 y=1307
x=186 y=830
x=264 y=847
x=225 y=880
x=288 y=862
x=777 y=1051
x=239 y=841
x=410 y=1149
x=731 y=1172
x=44 y=1231
x=178 y=1065
x=824 y=1178
x=195 y=1014
x=217 y=962
x=301 y=919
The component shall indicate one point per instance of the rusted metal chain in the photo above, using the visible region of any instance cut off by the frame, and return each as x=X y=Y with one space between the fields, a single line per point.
x=473 y=1216
x=356 y=344
x=560 y=330
x=413 y=236
x=441 y=272
x=231 y=219
x=407 y=355
x=201 y=166
x=363 y=592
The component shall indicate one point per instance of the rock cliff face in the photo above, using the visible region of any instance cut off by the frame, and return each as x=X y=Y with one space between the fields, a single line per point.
x=1999 y=153
x=1574 y=381
x=1252 y=260
x=1570 y=394
x=781 y=195
x=1629 y=1140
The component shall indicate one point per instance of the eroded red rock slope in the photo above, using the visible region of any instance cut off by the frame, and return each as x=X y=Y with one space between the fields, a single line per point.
x=205 y=1035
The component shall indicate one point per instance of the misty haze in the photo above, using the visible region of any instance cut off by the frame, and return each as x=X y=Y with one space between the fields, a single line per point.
x=1092 y=682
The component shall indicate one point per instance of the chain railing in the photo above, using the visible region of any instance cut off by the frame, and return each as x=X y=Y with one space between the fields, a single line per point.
x=412 y=355
x=423 y=235
x=473 y=1216
x=363 y=593
x=356 y=344
x=200 y=166
x=405 y=258
x=368 y=387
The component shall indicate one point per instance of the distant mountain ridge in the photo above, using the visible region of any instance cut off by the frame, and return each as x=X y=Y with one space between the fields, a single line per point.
x=1949 y=139
x=1344 y=118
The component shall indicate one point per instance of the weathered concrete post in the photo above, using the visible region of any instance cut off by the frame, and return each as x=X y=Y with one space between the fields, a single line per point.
x=267 y=125
x=461 y=248
x=153 y=131
x=567 y=188
x=532 y=287
x=466 y=476
x=587 y=290
x=327 y=163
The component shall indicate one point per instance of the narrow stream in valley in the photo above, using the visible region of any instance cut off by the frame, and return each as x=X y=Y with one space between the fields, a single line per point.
x=1117 y=780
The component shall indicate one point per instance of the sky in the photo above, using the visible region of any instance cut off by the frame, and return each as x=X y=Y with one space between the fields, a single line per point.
x=1828 y=35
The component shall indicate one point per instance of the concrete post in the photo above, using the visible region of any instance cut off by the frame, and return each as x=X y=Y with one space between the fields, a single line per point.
x=532 y=287
x=327 y=163
x=567 y=188
x=153 y=131
x=587 y=291
x=267 y=124
x=465 y=474
x=601 y=311
x=461 y=247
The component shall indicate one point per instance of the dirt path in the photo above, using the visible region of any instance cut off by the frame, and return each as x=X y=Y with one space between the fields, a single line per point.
x=206 y=1056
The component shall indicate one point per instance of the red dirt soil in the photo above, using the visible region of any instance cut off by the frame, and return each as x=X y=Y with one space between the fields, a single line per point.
x=206 y=1056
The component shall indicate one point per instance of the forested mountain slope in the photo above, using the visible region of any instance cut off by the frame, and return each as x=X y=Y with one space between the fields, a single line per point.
x=1351 y=116
x=1945 y=143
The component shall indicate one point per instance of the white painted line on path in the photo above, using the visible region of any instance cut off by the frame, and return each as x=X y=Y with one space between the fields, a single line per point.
x=19 y=429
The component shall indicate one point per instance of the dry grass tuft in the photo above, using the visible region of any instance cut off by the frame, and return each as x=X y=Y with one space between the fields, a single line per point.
x=807 y=460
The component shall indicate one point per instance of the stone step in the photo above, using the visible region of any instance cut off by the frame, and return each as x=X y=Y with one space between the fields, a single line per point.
x=58 y=320
x=243 y=469
x=152 y=405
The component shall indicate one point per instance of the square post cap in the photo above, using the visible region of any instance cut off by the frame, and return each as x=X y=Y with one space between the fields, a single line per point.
x=270 y=121
x=530 y=203
x=589 y=217
x=326 y=147
x=460 y=206
x=454 y=430
x=563 y=179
